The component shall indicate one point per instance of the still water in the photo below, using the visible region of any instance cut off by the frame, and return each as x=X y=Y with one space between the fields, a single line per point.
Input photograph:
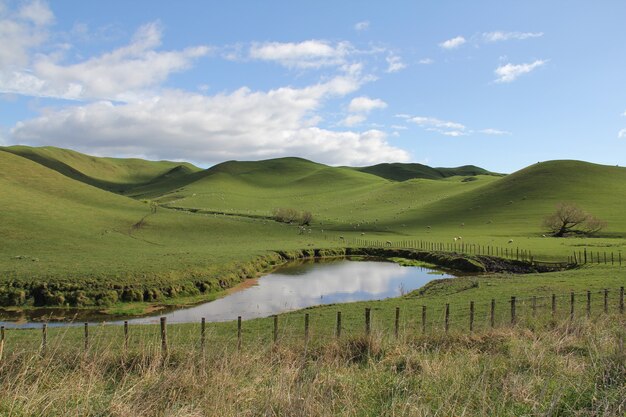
x=309 y=284
x=290 y=288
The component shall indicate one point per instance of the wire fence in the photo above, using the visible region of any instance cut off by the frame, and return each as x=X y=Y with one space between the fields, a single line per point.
x=577 y=257
x=311 y=327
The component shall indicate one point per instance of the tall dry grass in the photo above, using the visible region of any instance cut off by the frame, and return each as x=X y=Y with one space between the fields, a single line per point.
x=563 y=369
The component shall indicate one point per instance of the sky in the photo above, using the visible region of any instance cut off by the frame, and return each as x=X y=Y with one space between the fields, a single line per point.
x=499 y=84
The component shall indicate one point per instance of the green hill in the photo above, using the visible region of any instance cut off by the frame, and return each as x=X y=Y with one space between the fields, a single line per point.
x=518 y=202
x=111 y=174
x=402 y=172
x=60 y=230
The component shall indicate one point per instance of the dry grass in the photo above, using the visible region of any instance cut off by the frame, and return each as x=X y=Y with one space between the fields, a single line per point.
x=564 y=369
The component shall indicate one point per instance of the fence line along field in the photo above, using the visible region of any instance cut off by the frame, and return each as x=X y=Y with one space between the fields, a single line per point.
x=564 y=352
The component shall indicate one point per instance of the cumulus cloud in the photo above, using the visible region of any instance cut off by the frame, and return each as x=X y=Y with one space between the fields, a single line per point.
x=37 y=12
x=394 y=63
x=510 y=72
x=307 y=54
x=621 y=134
x=244 y=124
x=499 y=36
x=453 y=43
x=365 y=104
x=426 y=61
x=117 y=75
x=360 y=26
x=353 y=120
x=20 y=32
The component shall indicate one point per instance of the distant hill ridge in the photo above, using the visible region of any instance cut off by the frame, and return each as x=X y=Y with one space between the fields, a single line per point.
x=138 y=177
x=401 y=172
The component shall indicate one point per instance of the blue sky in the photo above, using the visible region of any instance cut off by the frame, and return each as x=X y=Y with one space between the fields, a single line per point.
x=500 y=84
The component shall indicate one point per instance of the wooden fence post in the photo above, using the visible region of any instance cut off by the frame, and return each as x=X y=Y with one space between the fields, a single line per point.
x=606 y=301
x=571 y=308
x=202 y=333
x=238 y=333
x=492 y=313
x=621 y=300
x=588 y=303
x=125 y=335
x=275 y=328
x=164 y=336
x=471 y=319
x=86 y=337
x=44 y=338
x=513 y=319
x=1 y=341
x=553 y=306
x=306 y=328
x=338 y=332
x=397 y=323
x=423 y=319
x=368 y=327
x=447 y=317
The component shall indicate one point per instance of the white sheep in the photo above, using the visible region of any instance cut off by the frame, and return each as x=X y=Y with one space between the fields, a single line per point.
x=510 y=240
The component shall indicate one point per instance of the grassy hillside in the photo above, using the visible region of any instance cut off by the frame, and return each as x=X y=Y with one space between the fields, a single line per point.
x=518 y=202
x=402 y=172
x=62 y=231
x=112 y=174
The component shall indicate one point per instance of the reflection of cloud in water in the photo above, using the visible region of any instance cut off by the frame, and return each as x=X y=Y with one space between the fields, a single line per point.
x=309 y=285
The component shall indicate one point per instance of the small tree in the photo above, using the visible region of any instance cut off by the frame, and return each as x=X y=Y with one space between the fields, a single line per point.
x=571 y=219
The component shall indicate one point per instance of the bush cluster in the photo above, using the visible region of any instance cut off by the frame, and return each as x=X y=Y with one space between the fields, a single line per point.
x=290 y=215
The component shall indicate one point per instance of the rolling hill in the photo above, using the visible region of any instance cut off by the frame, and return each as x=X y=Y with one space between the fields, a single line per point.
x=64 y=222
x=111 y=174
x=402 y=172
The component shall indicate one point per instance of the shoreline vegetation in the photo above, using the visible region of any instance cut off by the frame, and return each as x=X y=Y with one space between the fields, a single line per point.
x=51 y=296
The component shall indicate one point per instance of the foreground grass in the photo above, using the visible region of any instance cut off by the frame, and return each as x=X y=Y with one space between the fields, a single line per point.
x=546 y=368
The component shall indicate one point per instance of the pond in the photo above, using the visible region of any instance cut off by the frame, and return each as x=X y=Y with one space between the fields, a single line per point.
x=298 y=286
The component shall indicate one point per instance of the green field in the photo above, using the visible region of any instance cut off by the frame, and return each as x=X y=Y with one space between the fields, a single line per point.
x=126 y=237
x=83 y=231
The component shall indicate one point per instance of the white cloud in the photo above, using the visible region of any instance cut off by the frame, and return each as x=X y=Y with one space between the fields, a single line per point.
x=444 y=127
x=307 y=54
x=621 y=134
x=510 y=72
x=353 y=120
x=399 y=127
x=364 y=25
x=624 y=114
x=243 y=124
x=437 y=123
x=394 y=63
x=426 y=61
x=498 y=36
x=21 y=31
x=453 y=43
x=37 y=12
x=365 y=104
x=494 y=132
x=119 y=75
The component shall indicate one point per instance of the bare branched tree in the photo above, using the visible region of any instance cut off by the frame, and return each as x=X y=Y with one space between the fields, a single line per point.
x=571 y=219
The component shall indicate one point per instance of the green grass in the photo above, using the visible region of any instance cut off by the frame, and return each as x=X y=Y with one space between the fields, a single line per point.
x=69 y=231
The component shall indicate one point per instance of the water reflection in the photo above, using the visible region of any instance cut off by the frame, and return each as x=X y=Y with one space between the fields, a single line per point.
x=307 y=285
x=289 y=288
